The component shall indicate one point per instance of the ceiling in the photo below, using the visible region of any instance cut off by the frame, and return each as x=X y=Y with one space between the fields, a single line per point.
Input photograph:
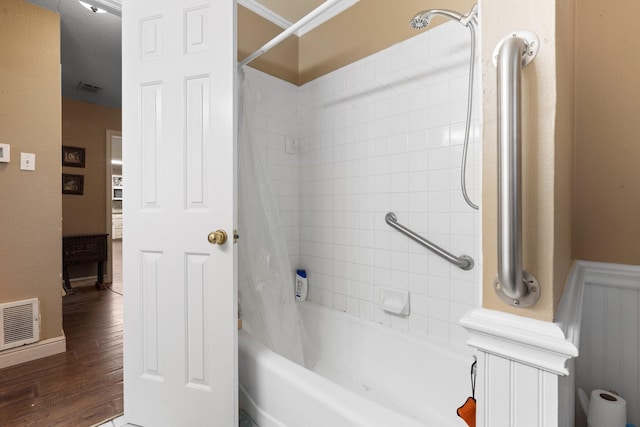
x=91 y=42
x=90 y=51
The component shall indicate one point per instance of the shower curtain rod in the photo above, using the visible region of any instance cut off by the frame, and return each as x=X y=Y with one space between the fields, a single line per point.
x=290 y=30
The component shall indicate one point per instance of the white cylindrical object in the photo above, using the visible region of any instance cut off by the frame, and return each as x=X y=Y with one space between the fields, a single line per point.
x=302 y=286
x=606 y=410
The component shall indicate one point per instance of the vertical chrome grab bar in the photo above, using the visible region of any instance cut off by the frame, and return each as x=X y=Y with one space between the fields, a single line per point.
x=514 y=286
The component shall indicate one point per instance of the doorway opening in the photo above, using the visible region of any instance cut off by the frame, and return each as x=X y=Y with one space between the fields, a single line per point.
x=114 y=193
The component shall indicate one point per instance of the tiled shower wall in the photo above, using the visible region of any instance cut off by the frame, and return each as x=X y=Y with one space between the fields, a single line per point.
x=382 y=134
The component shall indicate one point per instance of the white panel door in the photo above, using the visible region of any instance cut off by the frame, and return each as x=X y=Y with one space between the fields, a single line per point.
x=179 y=79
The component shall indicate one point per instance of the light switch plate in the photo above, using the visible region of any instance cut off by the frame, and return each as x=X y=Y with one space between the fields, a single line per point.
x=27 y=161
x=5 y=153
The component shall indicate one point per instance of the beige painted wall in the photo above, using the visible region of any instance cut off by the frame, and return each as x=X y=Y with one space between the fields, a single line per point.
x=365 y=28
x=564 y=217
x=253 y=32
x=30 y=226
x=336 y=43
x=85 y=125
x=547 y=128
x=607 y=194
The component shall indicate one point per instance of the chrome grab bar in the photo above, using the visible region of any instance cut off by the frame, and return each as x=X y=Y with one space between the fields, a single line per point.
x=514 y=286
x=465 y=262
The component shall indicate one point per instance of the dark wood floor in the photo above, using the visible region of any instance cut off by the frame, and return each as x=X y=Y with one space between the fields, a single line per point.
x=81 y=387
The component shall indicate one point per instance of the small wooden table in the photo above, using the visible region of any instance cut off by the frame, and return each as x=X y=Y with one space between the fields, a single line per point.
x=84 y=249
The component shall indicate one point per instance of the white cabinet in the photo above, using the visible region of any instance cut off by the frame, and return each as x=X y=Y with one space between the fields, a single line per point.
x=116 y=226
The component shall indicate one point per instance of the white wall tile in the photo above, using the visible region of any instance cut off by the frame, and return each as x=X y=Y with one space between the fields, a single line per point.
x=399 y=279
x=381 y=317
x=438 y=309
x=367 y=291
x=366 y=310
x=439 y=287
x=353 y=306
x=418 y=325
x=400 y=323
x=418 y=284
x=382 y=134
x=339 y=302
x=462 y=292
x=327 y=298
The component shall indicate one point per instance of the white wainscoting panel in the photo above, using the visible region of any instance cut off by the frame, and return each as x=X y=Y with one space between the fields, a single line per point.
x=529 y=370
x=610 y=341
x=520 y=395
x=525 y=375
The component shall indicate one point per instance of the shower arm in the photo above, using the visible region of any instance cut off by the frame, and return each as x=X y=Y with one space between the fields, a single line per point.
x=514 y=286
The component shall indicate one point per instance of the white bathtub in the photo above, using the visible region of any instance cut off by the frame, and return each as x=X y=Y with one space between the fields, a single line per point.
x=365 y=375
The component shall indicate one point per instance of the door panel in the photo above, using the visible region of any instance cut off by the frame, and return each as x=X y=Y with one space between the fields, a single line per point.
x=179 y=129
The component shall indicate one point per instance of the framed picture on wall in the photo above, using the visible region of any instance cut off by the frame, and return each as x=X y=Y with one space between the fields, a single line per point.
x=72 y=184
x=116 y=187
x=73 y=156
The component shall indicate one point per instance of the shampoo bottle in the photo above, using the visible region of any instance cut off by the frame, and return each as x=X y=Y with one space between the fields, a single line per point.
x=302 y=286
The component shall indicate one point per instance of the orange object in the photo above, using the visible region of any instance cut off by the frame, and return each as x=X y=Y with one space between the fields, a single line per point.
x=468 y=412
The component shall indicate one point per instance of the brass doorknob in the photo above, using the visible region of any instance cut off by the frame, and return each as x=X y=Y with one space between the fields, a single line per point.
x=218 y=237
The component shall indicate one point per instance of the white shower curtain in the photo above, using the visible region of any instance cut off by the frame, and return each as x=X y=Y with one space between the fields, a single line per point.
x=265 y=277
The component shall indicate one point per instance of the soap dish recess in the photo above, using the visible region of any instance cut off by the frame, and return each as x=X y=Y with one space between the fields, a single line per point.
x=394 y=301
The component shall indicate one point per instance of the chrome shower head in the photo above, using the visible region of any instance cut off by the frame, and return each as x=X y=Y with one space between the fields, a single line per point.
x=422 y=19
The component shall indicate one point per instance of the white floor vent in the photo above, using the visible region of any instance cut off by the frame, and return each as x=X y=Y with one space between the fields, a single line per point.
x=19 y=323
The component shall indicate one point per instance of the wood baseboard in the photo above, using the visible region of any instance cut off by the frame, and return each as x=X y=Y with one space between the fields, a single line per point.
x=80 y=282
x=34 y=351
